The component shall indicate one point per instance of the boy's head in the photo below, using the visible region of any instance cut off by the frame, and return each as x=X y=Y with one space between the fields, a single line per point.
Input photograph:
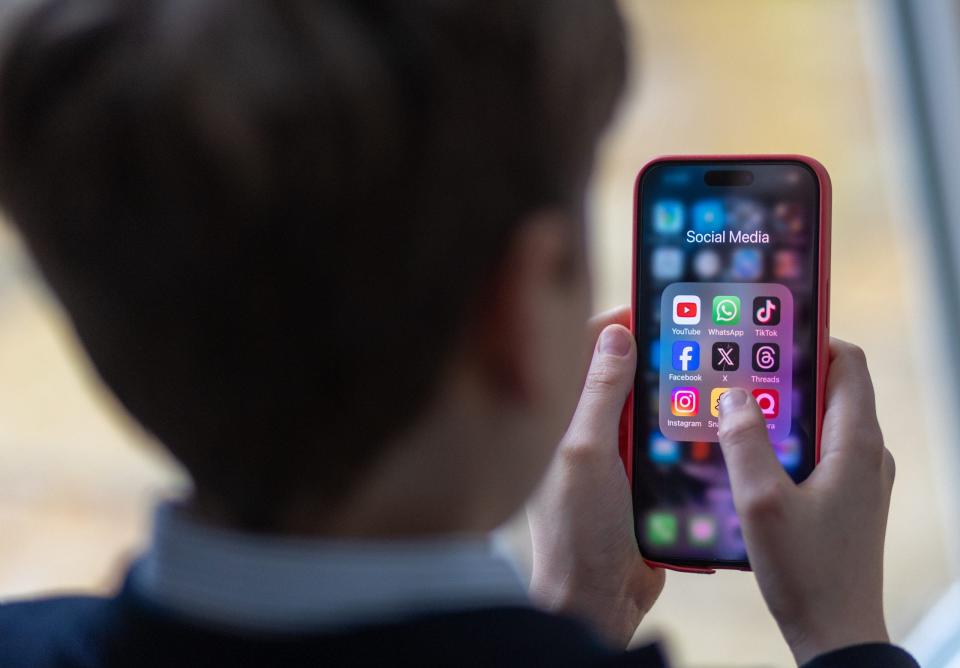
x=293 y=235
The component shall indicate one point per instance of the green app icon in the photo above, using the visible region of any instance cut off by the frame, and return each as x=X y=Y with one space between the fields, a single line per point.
x=662 y=528
x=726 y=310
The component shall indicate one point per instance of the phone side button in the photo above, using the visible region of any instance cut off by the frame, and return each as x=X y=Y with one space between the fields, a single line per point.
x=826 y=319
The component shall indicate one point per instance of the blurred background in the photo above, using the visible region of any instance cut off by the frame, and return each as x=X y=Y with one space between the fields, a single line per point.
x=871 y=88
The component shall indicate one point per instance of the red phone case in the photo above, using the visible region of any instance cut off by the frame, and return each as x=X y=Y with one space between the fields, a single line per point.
x=823 y=305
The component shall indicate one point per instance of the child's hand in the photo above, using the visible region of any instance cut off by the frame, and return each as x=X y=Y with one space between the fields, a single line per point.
x=816 y=548
x=585 y=556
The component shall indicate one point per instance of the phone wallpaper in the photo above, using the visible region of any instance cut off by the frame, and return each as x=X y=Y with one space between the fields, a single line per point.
x=726 y=297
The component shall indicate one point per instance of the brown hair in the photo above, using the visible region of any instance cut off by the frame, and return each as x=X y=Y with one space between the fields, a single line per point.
x=268 y=219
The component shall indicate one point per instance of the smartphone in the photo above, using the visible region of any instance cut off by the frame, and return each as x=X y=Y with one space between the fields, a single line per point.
x=731 y=288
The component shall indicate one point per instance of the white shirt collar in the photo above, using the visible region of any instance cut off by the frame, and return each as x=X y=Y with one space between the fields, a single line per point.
x=280 y=584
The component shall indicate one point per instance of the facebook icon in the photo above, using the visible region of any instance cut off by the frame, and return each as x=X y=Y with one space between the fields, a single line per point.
x=686 y=355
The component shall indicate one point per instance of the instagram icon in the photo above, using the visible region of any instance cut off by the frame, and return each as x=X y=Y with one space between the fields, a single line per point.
x=684 y=401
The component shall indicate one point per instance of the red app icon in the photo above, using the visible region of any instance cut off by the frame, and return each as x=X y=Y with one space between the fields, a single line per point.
x=699 y=451
x=686 y=309
x=768 y=401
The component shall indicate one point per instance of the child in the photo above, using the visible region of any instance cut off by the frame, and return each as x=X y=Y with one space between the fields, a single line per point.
x=331 y=254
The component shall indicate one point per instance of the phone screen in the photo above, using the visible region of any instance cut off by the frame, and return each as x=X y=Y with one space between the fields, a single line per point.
x=726 y=296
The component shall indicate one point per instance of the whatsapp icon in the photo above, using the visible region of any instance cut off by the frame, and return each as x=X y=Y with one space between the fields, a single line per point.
x=726 y=310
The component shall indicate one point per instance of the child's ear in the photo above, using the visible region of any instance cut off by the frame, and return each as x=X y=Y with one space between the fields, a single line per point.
x=538 y=295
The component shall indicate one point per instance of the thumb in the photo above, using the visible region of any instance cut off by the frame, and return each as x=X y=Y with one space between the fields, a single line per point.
x=751 y=462
x=609 y=381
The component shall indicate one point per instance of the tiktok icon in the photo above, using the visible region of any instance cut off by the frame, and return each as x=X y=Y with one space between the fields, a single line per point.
x=766 y=311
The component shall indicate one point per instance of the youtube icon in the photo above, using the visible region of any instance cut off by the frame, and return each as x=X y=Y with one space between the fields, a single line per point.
x=686 y=309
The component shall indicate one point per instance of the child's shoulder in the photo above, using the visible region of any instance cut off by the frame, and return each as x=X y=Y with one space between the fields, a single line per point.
x=48 y=632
